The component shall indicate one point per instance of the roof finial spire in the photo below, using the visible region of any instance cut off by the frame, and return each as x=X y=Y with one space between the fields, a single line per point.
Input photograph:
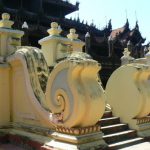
x=106 y=20
x=126 y=14
x=136 y=17
x=136 y=24
x=109 y=25
x=127 y=23
x=78 y=18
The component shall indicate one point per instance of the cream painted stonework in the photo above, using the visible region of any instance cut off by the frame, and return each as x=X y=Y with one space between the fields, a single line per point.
x=73 y=89
x=9 y=38
x=55 y=88
x=40 y=97
x=128 y=93
x=56 y=47
x=69 y=90
x=5 y=87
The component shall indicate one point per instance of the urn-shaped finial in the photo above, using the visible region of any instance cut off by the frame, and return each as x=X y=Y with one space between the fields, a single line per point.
x=54 y=30
x=126 y=58
x=5 y=16
x=72 y=35
x=6 y=22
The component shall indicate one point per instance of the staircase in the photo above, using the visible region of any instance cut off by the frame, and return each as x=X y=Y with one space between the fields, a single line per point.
x=117 y=135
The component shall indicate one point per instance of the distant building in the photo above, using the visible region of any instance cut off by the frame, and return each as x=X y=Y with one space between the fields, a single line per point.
x=124 y=37
x=106 y=46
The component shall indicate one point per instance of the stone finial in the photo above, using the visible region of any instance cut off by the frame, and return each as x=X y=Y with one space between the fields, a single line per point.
x=87 y=35
x=126 y=52
x=129 y=46
x=87 y=42
x=72 y=35
x=126 y=58
x=5 y=16
x=59 y=28
x=25 y=25
x=55 y=30
x=5 y=22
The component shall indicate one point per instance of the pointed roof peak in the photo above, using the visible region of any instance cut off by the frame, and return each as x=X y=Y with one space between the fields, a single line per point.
x=137 y=25
x=109 y=26
x=127 y=23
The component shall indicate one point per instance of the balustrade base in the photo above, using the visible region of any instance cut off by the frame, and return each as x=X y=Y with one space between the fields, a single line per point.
x=144 y=130
x=77 y=142
x=141 y=125
x=53 y=140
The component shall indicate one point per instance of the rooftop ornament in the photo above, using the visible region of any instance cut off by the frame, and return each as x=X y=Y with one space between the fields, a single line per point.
x=55 y=30
x=72 y=35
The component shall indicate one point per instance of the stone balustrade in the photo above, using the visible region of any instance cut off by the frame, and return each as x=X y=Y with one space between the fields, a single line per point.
x=128 y=93
x=143 y=120
x=55 y=47
x=64 y=103
x=10 y=38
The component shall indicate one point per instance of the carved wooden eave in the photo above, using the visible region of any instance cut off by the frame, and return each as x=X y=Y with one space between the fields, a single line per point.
x=65 y=5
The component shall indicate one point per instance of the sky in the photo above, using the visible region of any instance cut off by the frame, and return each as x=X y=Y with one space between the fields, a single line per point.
x=100 y=11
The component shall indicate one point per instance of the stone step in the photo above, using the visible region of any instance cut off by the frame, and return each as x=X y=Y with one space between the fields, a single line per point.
x=119 y=136
x=107 y=114
x=114 y=128
x=125 y=143
x=109 y=121
x=116 y=134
